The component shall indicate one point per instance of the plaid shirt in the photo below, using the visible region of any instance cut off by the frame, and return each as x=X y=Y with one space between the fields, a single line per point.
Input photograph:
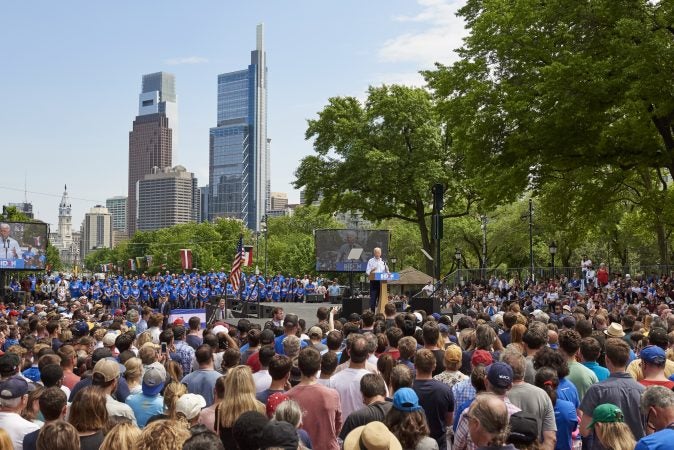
x=463 y=391
x=184 y=354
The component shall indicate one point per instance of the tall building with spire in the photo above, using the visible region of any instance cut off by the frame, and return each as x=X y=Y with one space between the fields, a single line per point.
x=239 y=178
x=65 y=240
x=153 y=138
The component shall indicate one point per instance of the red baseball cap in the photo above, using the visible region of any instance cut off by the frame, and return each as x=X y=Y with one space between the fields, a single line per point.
x=481 y=357
x=179 y=321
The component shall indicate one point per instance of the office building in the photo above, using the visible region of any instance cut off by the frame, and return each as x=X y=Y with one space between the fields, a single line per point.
x=154 y=134
x=96 y=230
x=279 y=200
x=239 y=180
x=167 y=197
x=117 y=208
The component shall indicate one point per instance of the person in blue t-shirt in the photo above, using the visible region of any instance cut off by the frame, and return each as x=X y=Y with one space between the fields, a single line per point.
x=566 y=417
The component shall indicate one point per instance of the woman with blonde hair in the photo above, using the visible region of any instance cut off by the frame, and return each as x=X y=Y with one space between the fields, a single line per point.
x=5 y=440
x=142 y=338
x=610 y=428
x=239 y=398
x=164 y=435
x=89 y=415
x=172 y=392
x=517 y=333
x=123 y=436
x=58 y=435
x=134 y=375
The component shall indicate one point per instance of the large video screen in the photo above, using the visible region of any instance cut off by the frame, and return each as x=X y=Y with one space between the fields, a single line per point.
x=334 y=247
x=23 y=246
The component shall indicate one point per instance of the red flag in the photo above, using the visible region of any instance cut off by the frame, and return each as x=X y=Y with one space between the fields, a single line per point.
x=186 y=258
x=248 y=255
x=235 y=274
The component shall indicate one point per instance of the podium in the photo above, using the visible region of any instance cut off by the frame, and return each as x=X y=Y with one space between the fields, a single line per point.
x=384 y=278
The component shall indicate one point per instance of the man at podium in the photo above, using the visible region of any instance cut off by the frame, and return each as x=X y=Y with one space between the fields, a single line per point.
x=375 y=265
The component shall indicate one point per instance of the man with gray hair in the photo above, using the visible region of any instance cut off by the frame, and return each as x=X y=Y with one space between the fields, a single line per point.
x=13 y=399
x=9 y=247
x=657 y=406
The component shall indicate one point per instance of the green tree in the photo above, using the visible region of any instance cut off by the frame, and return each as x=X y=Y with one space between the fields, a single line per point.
x=382 y=158
x=549 y=88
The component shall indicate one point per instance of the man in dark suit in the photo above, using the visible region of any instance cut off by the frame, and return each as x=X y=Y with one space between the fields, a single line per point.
x=164 y=309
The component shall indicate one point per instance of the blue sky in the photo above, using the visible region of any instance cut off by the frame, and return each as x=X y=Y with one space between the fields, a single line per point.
x=71 y=74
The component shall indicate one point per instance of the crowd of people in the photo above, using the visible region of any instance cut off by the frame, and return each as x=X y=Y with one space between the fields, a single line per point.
x=546 y=365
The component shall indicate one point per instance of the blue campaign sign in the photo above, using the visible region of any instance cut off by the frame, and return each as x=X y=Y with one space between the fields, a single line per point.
x=387 y=276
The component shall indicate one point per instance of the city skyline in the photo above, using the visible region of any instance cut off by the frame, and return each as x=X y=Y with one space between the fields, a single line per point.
x=88 y=100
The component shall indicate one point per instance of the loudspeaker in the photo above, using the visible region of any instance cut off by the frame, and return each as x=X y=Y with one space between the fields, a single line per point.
x=315 y=298
x=354 y=305
x=266 y=312
x=430 y=305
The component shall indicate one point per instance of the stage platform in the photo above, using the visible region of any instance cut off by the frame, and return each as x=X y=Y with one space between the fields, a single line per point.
x=306 y=311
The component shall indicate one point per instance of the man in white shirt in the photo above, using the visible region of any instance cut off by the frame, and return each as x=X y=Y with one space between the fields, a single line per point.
x=9 y=248
x=428 y=289
x=13 y=399
x=375 y=265
x=347 y=381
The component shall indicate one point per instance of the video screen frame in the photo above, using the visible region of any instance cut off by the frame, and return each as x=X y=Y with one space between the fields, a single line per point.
x=332 y=246
x=32 y=239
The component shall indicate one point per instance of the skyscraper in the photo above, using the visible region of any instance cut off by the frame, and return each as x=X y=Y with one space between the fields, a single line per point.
x=167 y=197
x=239 y=181
x=96 y=230
x=117 y=207
x=152 y=139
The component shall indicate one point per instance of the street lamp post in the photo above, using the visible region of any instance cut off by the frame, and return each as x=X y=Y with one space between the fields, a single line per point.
x=457 y=255
x=553 y=251
x=394 y=260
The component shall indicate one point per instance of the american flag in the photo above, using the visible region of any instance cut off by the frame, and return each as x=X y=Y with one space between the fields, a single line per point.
x=235 y=274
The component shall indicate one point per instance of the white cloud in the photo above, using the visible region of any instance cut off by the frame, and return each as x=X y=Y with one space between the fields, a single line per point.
x=442 y=33
x=186 y=60
x=413 y=79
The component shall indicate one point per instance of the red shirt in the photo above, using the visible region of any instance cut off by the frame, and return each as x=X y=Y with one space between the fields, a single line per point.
x=668 y=384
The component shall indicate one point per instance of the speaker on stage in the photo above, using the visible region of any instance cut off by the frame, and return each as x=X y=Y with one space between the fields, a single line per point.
x=430 y=305
x=354 y=305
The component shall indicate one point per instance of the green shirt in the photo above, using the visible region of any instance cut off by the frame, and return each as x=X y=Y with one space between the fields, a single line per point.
x=581 y=377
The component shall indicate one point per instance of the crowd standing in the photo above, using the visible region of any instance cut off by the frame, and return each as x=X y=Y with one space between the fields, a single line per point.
x=534 y=365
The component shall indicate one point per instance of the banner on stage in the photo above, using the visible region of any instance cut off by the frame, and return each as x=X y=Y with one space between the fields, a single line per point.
x=185 y=314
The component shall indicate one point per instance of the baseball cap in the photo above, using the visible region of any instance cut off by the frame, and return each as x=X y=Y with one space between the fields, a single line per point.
x=354 y=317
x=108 y=369
x=481 y=357
x=9 y=362
x=13 y=387
x=566 y=308
x=453 y=353
x=405 y=399
x=290 y=320
x=273 y=401
x=443 y=328
x=153 y=381
x=606 y=413
x=500 y=374
x=278 y=435
x=373 y=436
x=189 y=404
x=523 y=428
x=179 y=321
x=653 y=354
x=569 y=322
x=315 y=331
x=109 y=339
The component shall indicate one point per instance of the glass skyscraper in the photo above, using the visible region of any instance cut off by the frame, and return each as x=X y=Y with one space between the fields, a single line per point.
x=239 y=183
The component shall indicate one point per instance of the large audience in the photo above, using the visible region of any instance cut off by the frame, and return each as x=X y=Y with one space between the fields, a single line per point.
x=557 y=364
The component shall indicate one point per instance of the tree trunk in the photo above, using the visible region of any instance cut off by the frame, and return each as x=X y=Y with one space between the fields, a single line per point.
x=662 y=241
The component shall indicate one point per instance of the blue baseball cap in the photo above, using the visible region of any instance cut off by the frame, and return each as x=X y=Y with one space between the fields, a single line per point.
x=653 y=354
x=405 y=399
x=500 y=374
